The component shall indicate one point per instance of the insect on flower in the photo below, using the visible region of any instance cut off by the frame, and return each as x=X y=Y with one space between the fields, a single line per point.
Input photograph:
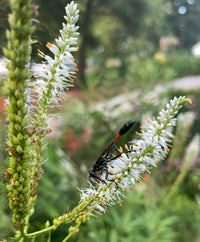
x=100 y=165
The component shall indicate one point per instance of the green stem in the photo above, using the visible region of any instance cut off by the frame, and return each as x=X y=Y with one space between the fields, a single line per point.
x=40 y=231
x=170 y=196
x=66 y=218
x=67 y=237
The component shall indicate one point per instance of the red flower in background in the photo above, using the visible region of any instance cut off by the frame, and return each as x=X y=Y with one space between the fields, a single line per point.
x=3 y=103
x=72 y=142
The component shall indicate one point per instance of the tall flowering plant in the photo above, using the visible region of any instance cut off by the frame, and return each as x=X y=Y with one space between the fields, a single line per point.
x=29 y=102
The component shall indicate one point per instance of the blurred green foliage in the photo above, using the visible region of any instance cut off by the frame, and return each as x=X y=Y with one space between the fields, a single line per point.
x=130 y=73
x=111 y=25
x=184 y=64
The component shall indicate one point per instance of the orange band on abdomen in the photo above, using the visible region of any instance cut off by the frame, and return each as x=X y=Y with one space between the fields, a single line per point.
x=117 y=137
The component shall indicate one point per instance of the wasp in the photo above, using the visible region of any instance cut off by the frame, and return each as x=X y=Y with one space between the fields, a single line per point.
x=100 y=164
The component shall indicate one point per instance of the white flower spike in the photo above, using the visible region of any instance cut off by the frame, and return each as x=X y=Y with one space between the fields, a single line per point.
x=142 y=156
x=59 y=69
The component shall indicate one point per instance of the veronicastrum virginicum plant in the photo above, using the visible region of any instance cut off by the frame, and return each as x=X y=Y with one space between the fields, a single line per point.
x=29 y=102
x=28 y=114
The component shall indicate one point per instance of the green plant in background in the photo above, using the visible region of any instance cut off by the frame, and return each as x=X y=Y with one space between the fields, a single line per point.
x=184 y=64
x=150 y=72
x=184 y=124
x=190 y=157
x=28 y=112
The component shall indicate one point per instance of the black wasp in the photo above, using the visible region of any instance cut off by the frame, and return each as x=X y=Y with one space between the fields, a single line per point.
x=100 y=165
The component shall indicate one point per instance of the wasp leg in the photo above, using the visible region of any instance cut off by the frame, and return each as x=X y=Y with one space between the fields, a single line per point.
x=95 y=176
x=106 y=156
x=117 y=149
x=111 y=179
x=119 y=154
x=127 y=151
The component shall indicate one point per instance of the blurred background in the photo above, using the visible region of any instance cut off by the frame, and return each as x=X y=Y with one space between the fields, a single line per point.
x=134 y=56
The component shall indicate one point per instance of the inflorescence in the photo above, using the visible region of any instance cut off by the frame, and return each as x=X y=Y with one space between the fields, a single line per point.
x=127 y=170
x=58 y=71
